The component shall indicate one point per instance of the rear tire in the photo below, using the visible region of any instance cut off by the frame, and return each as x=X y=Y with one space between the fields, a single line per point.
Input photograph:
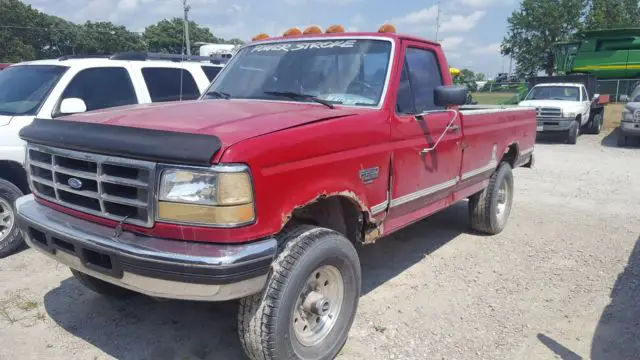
x=595 y=125
x=489 y=209
x=102 y=287
x=10 y=236
x=574 y=131
x=284 y=321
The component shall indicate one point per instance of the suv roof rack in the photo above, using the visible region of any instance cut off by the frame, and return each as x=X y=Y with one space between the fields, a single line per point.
x=143 y=56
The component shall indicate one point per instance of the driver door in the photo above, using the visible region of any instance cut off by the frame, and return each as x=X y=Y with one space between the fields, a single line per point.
x=423 y=179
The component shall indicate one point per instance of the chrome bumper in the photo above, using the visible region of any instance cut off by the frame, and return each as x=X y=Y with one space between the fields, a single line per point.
x=152 y=266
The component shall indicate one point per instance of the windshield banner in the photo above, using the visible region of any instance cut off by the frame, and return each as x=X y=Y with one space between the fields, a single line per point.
x=297 y=46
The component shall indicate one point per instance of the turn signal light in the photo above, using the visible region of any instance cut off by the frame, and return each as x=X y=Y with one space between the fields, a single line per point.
x=334 y=29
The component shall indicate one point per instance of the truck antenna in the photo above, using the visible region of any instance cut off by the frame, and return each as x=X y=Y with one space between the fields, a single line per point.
x=437 y=20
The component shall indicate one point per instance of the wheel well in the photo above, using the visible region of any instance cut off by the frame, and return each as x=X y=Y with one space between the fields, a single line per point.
x=15 y=174
x=510 y=155
x=337 y=213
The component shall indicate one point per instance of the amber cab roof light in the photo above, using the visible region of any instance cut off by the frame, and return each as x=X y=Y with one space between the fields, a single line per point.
x=315 y=29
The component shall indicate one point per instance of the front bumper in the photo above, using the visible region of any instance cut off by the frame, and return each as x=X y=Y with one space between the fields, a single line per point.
x=554 y=124
x=152 y=266
x=630 y=129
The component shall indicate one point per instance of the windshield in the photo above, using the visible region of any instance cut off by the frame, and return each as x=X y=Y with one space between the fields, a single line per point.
x=24 y=88
x=567 y=93
x=348 y=72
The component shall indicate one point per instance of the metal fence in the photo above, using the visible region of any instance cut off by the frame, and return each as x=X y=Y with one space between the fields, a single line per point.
x=617 y=88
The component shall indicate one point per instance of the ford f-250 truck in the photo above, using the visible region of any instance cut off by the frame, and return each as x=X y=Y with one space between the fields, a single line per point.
x=303 y=146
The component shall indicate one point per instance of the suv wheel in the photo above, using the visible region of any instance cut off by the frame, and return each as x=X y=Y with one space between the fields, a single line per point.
x=308 y=305
x=10 y=236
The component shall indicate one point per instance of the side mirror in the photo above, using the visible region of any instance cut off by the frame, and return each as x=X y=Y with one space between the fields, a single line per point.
x=596 y=97
x=72 y=106
x=450 y=95
x=624 y=98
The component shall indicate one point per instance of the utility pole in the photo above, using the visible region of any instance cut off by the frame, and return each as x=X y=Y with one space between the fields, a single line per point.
x=438 y=20
x=186 y=8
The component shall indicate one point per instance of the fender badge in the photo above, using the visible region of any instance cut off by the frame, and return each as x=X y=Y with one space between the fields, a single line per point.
x=368 y=175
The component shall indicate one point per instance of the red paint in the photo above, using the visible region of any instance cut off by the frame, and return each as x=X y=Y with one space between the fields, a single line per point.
x=298 y=152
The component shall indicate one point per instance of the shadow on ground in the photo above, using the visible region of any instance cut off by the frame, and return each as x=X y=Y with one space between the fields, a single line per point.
x=611 y=140
x=617 y=335
x=143 y=328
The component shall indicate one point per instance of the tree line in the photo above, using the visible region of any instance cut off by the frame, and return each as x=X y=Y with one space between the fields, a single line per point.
x=537 y=25
x=28 y=34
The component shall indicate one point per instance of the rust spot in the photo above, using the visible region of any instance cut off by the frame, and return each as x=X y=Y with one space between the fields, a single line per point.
x=371 y=235
x=285 y=217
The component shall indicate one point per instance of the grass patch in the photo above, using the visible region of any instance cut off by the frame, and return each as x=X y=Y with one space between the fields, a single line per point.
x=491 y=98
x=27 y=305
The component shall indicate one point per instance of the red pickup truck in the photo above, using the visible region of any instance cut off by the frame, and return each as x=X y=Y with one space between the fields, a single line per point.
x=303 y=146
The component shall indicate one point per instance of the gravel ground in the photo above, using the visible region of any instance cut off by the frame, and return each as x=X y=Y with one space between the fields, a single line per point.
x=561 y=282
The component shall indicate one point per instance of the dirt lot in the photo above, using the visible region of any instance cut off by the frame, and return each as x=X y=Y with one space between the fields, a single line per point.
x=562 y=281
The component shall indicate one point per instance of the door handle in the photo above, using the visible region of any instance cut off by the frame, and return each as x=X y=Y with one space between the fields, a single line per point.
x=454 y=128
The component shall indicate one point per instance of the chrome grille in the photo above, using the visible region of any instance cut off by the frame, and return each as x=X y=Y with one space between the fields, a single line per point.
x=547 y=112
x=636 y=116
x=100 y=185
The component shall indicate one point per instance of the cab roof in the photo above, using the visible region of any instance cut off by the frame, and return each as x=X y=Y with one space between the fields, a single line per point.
x=392 y=36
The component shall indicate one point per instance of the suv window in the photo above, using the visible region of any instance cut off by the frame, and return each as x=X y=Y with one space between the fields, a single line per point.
x=170 y=84
x=424 y=76
x=211 y=71
x=585 y=97
x=102 y=87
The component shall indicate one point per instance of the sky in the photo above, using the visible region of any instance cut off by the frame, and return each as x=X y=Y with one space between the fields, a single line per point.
x=470 y=30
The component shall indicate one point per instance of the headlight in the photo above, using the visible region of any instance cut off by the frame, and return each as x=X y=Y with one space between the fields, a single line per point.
x=221 y=196
x=570 y=114
x=627 y=115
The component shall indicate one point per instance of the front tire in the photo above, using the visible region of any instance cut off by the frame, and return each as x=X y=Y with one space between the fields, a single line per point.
x=572 y=134
x=309 y=303
x=489 y=209
x=10 y=236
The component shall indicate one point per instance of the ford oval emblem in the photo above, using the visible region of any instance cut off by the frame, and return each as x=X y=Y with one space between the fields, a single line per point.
x=74 y=183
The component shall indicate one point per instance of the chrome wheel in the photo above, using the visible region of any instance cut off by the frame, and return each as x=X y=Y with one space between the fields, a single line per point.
x=6 y=218
x=318 y=305
x=502 y=202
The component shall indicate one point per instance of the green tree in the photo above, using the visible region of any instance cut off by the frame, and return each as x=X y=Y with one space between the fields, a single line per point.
x=167 y=36
x=607 y=14
x=480 y=76
x=106 y=37
x=535 y=27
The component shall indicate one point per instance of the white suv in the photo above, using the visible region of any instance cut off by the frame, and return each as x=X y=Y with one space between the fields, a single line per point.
x=46 y=89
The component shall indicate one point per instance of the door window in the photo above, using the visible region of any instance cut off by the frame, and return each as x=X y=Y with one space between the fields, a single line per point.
x=211 y=71
x=585 y=97
x=424 y=77
x=101 y=88
x=170 y=84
